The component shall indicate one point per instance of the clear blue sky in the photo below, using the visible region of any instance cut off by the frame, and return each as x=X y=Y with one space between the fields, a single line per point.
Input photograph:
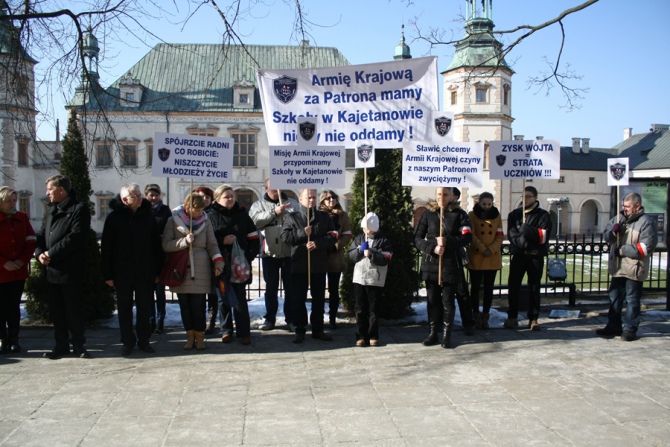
x=617 y=46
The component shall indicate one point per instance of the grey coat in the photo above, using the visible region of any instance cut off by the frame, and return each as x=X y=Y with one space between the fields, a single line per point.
x=638 y=237
x=205 y=252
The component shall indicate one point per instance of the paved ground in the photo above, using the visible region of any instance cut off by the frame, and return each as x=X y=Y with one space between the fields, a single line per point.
x=560 y=386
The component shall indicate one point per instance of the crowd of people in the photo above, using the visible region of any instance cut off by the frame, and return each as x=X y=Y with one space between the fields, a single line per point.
x=302 y=243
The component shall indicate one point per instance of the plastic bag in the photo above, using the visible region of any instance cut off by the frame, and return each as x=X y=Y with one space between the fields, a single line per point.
x=240 y=270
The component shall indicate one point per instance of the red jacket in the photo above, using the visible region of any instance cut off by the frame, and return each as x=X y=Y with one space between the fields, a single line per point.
x=17 y=241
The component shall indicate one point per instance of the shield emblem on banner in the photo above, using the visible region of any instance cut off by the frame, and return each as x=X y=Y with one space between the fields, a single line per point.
x=163 y=153
x=364 y=152
x=501 y=159
x=442 y=125
x=285 y=88
x=307 y=130
x=618 y=171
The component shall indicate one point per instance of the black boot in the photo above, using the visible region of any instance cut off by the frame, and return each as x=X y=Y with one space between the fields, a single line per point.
x=448 y=325
x=432 y=321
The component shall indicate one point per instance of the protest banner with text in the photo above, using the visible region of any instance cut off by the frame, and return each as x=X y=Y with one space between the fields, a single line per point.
x=192 y=156
x=388 y=103
x=293 y=167
x=525 y=159
x=429 y=163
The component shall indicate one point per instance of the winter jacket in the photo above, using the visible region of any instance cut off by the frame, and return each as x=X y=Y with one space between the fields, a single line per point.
x=487 y=233
x=638 y=237
x=340 y=218
x=262 y=213
x=162 y=213
x=237 y=222
x=64 y=235
x=205 y=252
x=131 y=245
x=323 y=234
x=530 y=238
x=371 y=271
x=457 y=231
x=17 y=243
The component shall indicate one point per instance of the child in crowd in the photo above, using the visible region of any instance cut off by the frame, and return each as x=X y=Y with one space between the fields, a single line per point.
x=371 y=251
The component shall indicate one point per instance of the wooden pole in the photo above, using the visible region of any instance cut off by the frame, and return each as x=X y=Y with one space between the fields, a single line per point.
x=190 y=229
x=439 y=273
x=523 y=200
x=365 y=190
x=309 y=253
x=618 y=233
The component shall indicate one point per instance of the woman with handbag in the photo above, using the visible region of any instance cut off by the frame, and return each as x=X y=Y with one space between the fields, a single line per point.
x=329 y=203
x=190 y=229
x=485 y=255
x=232 y=224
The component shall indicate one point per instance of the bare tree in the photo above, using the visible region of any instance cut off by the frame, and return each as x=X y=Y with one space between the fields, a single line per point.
x=555 y=75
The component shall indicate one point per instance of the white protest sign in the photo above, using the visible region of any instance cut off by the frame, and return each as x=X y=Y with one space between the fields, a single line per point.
x=525 y=159
x=364 y=155
x=617 y=171
x=192 y=156
x=431 y=163
x=293 y=167
x=388 y=102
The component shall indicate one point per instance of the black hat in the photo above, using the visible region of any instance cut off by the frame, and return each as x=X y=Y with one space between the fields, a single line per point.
x=456 y=192
x=152 y=187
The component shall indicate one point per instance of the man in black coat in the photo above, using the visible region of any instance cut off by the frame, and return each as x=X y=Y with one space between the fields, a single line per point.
x=132 y=258
x=152 y=192
x=61 y=249
x=528 y=229
x=310 y=233
x=456 y=235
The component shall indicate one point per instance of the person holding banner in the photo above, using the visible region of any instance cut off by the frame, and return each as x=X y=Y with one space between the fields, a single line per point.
x=162 y=212
x=485 y=255
x=440 y=234
x=632 y=236
x=310 y=233
x=190 y=229
x=268 y=215
x=132 y=259
x=528 y=229
x=232 y=223
x=462 y=292
x=329 y=203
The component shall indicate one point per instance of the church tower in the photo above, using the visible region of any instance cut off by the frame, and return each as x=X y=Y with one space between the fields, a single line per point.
x=477 y=86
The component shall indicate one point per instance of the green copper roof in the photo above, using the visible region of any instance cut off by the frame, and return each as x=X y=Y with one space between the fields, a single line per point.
x=478 y=48
x=646 y=150
x=10 y=43
x=200 y=77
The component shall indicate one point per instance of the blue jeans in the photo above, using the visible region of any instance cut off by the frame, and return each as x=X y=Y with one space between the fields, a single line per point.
x=629 y=290
x=271 y=272
x=158 y=311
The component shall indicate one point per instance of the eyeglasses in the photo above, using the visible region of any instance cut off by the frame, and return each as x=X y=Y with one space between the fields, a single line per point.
x=330 y=198
x=132 y=196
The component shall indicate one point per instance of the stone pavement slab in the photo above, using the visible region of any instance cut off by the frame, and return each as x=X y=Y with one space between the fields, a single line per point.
x=560 y=386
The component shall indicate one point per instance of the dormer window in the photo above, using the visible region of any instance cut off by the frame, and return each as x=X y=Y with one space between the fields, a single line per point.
x=130 y=91
x=243 y=94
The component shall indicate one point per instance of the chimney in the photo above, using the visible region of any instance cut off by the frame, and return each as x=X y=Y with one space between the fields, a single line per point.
x=539 y=138
x=585 y=145
x=575 y=145
x=627 y=133
x=518 y=137
x=304 y=43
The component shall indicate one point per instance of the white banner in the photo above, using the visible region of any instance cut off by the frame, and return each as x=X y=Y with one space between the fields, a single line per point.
x=192 y=156
x=525 y=159
x=388 y=102
x=293 y=167
x=430 y=163
x=617 y=171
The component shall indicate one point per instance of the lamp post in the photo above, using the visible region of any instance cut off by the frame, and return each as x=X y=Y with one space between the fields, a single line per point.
x=558 y=201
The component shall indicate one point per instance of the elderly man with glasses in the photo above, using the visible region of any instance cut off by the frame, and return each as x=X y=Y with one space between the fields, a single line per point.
x=132 y=257
x=528 y=229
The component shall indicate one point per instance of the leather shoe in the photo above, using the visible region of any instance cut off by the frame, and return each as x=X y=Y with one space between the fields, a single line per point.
x=299 y=338
x=126 y=350
x=82 y=353
x=246 y=341
x=628 y=336
x=322 y=336
x=55 y=354
x=227 y=338
x=431 y=340
x=608 y=333
x=146 y=347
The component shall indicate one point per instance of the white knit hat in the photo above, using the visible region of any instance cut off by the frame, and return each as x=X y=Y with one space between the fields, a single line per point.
x=370 y=222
